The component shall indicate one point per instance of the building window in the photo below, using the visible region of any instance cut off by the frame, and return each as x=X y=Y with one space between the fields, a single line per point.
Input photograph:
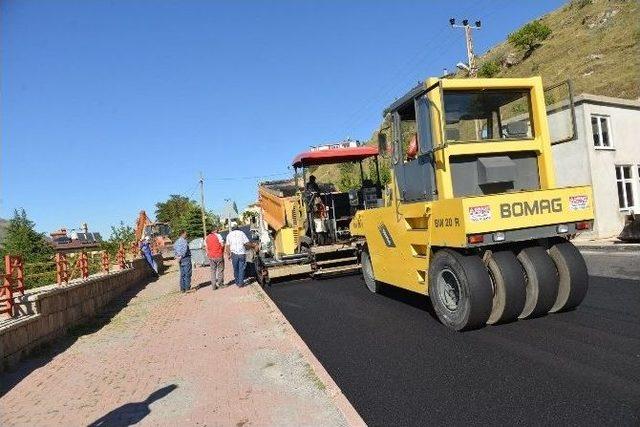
x=625 y=186
x=601 y=131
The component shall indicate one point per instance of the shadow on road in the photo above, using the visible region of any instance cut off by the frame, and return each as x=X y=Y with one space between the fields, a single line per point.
x=48 y=351
x=132 y=413
x=419 y=301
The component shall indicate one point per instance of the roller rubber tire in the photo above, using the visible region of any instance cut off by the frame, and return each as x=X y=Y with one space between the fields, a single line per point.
x=470 y=306
x=541 y=278
x=573 y=279
x=509 y=287
x=367 y=272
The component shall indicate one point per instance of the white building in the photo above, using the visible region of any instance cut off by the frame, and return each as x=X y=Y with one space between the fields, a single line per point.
x=606 y=155
x=347 y=143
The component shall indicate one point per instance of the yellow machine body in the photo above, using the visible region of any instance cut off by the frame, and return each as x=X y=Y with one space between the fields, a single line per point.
x=285 y=215
x=402 y=236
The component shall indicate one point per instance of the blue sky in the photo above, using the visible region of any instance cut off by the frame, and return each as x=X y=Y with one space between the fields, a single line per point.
x=109 y=106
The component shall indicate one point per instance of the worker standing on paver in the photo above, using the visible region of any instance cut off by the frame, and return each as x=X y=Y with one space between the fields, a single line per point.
x=215 y=252
x=183 y=255
x=236 y=250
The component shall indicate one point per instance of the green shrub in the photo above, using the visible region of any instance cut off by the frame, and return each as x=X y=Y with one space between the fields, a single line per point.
x=529 y=36
x=489 y=69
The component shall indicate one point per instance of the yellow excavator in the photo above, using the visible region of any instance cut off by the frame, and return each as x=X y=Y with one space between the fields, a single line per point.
x=157 y=232
x=473 y=217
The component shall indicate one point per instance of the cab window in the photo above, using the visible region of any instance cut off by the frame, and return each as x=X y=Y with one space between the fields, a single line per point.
x=487 y=115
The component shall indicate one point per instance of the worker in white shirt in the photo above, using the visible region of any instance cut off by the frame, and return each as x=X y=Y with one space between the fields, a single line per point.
x=236 y=247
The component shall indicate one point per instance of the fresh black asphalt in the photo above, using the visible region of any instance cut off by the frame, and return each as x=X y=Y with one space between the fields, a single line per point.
x=398 y=366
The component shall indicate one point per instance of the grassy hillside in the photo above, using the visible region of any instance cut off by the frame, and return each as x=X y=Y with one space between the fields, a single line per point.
x=595 y=43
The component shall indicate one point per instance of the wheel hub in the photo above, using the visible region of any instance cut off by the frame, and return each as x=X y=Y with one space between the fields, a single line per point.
x=449 y=289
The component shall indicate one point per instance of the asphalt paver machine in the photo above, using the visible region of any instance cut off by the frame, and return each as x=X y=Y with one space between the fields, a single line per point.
x=304 y=229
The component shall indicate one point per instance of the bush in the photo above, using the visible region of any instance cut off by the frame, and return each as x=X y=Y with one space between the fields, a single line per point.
x=530 y=36
x=580 y=3
x=489 y=69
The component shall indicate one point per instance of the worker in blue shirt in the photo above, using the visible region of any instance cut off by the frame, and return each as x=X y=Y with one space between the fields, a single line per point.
x=183 y=255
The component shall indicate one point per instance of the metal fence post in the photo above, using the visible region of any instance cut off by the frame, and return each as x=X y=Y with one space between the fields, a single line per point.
x=83 y=264
x=105 y=262
x=62 y=269
x=12 y=265
x=121 y=257
x=134 y=250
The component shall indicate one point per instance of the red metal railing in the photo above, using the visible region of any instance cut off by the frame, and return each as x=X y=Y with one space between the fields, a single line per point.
x=121 y=257
x=13 y=282
x=64 y=267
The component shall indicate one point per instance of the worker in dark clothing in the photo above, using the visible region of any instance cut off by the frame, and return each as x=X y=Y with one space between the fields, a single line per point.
x=312 y=185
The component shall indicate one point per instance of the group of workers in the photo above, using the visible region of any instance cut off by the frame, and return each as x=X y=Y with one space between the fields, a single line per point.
x=237 y=248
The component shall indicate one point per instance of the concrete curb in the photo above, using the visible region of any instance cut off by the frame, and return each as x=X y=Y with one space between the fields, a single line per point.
x=342 y=403
x=620 y=247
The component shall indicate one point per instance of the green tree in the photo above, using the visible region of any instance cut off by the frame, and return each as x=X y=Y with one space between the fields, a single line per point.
x=249 y=216
x=489 y=69
x=22 y=239
x=120 y=234
x=384 y=168
x=174 y=211
x=192 y=222
x=529 y=37
x=348 y=179
x=37 y=253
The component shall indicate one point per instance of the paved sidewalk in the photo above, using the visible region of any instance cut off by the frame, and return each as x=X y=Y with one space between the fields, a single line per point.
x=223 y=358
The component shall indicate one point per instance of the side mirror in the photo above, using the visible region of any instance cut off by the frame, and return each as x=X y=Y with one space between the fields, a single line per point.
x=382 y=143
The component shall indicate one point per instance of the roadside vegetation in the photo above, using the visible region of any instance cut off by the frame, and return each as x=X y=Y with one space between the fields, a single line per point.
x=121 y=234
x=180 y=212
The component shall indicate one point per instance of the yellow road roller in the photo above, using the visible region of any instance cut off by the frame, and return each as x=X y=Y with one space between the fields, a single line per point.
x=472 y=216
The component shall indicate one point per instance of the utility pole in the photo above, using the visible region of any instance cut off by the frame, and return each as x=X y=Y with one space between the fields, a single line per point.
x=228 y=213
x=471 y=57
x=204 y=223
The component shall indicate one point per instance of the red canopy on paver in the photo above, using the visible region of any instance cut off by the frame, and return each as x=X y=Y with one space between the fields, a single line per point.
x=334 y=155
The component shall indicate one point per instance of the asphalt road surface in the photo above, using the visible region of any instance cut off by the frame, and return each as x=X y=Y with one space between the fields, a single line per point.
x=399 y=366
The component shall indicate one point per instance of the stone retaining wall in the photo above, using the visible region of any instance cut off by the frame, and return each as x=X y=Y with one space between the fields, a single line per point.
x=48 y=312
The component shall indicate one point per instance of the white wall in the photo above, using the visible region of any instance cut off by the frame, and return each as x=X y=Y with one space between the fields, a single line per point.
x=579 y=162
x=624 y=126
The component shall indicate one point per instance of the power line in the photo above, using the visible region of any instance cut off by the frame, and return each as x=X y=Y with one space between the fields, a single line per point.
x=238 y=178
x=402 y=83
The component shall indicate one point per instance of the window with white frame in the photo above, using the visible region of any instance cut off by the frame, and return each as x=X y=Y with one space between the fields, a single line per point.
x=625 y=186
x=601 y=131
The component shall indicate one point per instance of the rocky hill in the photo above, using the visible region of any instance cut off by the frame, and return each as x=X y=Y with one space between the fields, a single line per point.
x=595 y=43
